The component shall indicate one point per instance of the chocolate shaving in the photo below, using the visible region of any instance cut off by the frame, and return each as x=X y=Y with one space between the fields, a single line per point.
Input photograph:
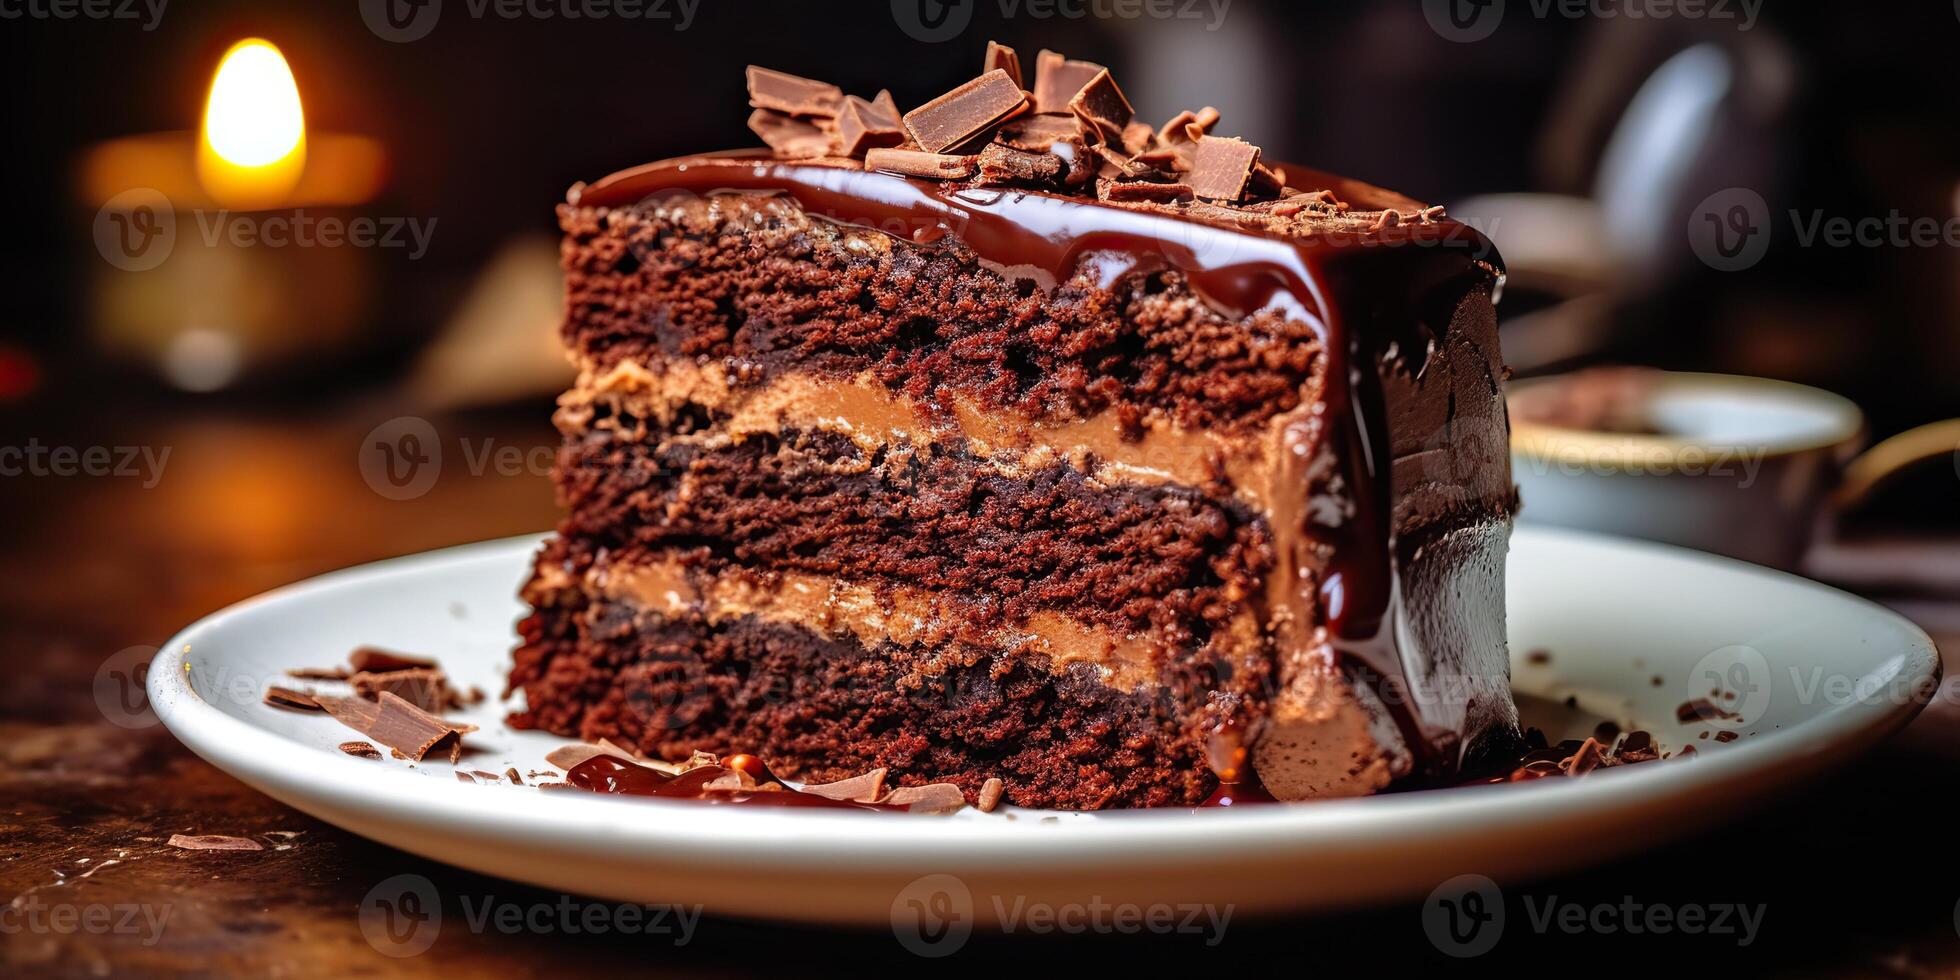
x=286 y=697
x=1222 y=167
x=377 y=660
x=792 y=94
x=319 y=673
x=1588 y=758
x=1057 y=80
x=933 y=798
x=1102 y=106
x=515 y=779
x=1139 y=138
x=463 y=777
x=863 y=126
x=990 y=793
x=1002 y=57
x=214 y=842
x=420 y=686
x=857 y=789
x=1000 y=164
x=918 y=163
x=1039 y=132
x=1143 y=190
x=365 y=750
x=1386 y=220
x=789 y=136
x=971 y=109
x=399 y=725
x=486 y=775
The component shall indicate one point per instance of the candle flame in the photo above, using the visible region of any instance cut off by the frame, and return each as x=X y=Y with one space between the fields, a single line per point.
x=254 y=143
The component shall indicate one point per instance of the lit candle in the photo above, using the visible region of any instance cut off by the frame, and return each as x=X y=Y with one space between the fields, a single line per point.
x=181 y=292
x=253 y=149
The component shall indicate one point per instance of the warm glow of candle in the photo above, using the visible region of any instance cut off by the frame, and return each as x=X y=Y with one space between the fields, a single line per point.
x=252 y=150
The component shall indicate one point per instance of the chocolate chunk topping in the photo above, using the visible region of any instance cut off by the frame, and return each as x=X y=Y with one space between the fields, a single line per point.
x=992 y=132
x=365 y=750
x=857 y=789
x=1057 y=80
x=863 y=126
x=1222 y=167
x=933 y=798
x=1005 y=165
x=958 y=116
x=918 y=163
x=375 y=659
x=990 y=792
x=796 y=96
x=791 y=137
x=286 y=697
x=214 y=842
x=1003 y=57
x=1102 y=105
x=319 y=673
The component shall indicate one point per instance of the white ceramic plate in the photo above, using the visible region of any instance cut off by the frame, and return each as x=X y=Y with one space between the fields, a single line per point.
x=1816 y=675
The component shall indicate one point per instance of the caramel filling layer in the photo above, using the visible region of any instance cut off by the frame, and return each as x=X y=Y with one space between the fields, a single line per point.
x=873 y=416
x=830 y=607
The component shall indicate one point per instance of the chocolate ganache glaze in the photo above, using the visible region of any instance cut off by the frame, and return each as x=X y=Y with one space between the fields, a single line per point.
x=1380 y=295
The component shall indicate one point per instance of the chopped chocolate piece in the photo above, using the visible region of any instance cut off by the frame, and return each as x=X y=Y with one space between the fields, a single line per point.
x=1222 y=167
x=990 y=792
x=1144 y=190
x=1726 y=736
x=365 y=750
x=484 y=774
x=933 y=798
x=1121 y=167
x=887 y=105
x=565 y=757
x=1006 y=165
x=1159 y=158
x=1102 y=105
x=857 y=789
x=1038 y=132
x=1701 y=709
x=1588 y=758
x=399 y=725
x=1266 y=182
x=918 y=163
x=1003 y=57
x=556 y=786
x=1138 y=138
x=376 y=660
x=420 y=686
x=971 y=109
x=1430 y=215
x=791 y=94
x=319 y=673
x=463 y=777
x=286 y=697
x=214 y=842
x=1637 y=747
x=1188 y=126
x=1057 y=80
x=863 y=125
x=514 y=778
x=789 y=136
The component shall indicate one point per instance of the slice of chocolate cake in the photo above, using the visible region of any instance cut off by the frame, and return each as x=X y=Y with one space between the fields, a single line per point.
x=1012 y=437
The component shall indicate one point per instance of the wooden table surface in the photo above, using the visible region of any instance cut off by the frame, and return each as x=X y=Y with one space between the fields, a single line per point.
x=1851 y=874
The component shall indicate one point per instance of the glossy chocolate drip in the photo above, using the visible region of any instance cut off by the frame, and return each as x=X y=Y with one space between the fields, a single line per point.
x=1366 y=291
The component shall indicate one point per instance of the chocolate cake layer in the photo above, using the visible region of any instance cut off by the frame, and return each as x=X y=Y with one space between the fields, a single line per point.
x=1226 y=490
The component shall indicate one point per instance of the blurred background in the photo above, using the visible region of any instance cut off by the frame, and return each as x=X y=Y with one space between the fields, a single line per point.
x=200 y=355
